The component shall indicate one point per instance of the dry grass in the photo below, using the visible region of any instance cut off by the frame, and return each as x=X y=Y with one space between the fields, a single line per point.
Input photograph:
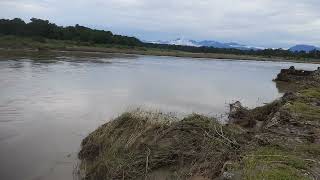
x=138 y=144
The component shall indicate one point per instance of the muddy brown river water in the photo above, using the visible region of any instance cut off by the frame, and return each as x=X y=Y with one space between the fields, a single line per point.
x=48 y=106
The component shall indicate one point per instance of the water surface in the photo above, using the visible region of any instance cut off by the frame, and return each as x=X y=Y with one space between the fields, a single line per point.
x=48 y=106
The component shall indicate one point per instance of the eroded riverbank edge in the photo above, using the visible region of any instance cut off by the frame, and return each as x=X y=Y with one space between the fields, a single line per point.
x=280 y=140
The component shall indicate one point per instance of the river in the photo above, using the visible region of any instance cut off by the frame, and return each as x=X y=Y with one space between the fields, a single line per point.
x=48 y=106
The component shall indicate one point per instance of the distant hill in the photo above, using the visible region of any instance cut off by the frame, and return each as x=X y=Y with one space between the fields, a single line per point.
x=207 y=43
x=303 y=47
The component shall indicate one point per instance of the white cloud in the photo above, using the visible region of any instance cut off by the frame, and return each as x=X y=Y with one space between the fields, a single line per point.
x=256 y=22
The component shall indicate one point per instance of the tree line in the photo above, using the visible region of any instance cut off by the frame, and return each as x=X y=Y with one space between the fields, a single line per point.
x=45 y=29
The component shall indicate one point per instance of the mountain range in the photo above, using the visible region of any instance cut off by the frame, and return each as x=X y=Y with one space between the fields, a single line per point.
x=206 y=43
x=216 y=44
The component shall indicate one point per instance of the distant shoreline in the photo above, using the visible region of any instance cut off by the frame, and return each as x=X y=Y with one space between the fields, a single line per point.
x=190 y=55
x=23 y=52
x=15 y=46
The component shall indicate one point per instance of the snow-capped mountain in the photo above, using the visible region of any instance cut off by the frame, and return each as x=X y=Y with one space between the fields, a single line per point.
x=179 y=41
x=206 y=43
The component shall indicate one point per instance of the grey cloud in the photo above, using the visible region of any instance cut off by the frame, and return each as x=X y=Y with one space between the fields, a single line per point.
x=257 y=22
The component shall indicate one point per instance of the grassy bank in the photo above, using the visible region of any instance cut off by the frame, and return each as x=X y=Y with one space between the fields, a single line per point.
x=25 y=44
x=280 y=140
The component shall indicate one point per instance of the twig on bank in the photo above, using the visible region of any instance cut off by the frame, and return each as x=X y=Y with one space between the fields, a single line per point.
x=147 y=163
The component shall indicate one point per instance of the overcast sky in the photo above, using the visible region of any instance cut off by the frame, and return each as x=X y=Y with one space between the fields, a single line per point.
x=265 y=23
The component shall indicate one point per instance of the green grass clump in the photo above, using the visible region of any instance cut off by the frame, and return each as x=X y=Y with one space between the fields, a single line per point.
x=306 y=105
x=311 y=93
x=311 y=150
x=305 y=111
x=274 y=163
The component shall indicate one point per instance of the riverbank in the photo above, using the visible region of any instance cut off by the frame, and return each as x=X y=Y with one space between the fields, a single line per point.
x=12 y=45
x=280 y=140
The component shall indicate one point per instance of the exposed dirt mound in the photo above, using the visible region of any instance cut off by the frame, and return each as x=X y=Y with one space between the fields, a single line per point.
x=301 y=78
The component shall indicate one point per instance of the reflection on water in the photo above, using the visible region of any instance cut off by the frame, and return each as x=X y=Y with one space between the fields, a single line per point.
x=48 y=106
